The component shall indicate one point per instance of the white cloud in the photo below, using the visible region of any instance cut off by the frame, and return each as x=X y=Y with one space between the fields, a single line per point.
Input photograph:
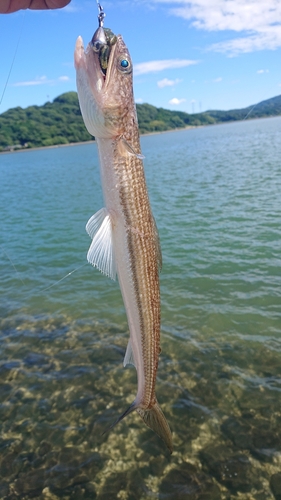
x=139 y=100
x=155 y=66
x=64 y=78
x=236 y=15
x=176 y=101
x=168 y=83
x=41 y=80
x=259 y=20
x=38 y=81
x=263 y=39
x=261 y=71
x=217 y=80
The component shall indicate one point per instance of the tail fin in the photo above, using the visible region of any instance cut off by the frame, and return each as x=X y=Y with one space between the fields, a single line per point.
x=155 y=419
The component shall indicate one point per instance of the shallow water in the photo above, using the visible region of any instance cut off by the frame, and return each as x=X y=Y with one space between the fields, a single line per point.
x=215 y=193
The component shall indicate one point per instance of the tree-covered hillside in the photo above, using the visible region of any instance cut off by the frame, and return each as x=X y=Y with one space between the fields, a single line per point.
x=153 y=119
x=60 y=121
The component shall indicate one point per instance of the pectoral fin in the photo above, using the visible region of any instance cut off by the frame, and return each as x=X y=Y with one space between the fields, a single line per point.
x=101 y=251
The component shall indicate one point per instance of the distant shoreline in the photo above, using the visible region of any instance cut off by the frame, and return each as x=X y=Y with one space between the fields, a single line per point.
x=188 y=127
x=25 y=150
x=64 y=118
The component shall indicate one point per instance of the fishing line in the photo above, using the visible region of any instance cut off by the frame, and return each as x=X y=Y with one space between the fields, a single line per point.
x=14 y=57
x=101 y=14
x=48 y=287
x=1 y=99
x=11 y=262
x=66 y=276
x=243 y=119
x=255 y=105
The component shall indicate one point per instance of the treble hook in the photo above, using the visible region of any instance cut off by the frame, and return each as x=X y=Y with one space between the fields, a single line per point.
x=101 y=15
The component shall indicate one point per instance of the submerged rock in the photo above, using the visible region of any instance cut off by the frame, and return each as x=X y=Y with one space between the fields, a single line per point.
x=66 y=477
x=4 y=489
x=31 y=484
x=127 y=484
x=44 y=448
x=7 y=465
x=275 y=485
x=185 y=482
x=253 y=434
x=232 y=470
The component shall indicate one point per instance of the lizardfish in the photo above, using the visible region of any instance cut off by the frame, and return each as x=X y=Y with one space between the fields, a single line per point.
x=124 y=235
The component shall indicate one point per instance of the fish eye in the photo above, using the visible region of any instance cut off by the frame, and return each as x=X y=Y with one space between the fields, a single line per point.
x=124 y=65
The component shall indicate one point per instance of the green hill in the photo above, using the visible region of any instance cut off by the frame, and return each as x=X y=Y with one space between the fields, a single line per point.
x=60 y=121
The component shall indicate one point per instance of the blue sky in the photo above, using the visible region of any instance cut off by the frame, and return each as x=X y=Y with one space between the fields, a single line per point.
x=188 y=55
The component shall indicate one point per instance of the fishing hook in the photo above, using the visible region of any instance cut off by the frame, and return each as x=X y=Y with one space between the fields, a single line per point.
x=99 y=39
x=101 y=15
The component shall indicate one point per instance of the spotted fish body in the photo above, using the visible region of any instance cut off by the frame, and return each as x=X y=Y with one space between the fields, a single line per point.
x=124 y=235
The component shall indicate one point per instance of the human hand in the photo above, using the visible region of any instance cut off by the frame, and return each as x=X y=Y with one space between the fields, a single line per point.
x=8 y=6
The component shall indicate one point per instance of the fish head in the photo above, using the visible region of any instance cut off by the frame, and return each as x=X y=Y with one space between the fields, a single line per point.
x=104 y=83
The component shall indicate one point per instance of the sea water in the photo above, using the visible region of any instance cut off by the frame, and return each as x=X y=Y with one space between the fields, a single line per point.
x=216 y=196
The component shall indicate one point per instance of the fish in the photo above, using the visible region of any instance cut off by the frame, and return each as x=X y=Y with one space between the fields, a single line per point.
x=125 y=241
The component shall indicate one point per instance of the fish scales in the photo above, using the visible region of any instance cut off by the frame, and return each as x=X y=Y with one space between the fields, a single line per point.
x=124 y=234
x=140 y=235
